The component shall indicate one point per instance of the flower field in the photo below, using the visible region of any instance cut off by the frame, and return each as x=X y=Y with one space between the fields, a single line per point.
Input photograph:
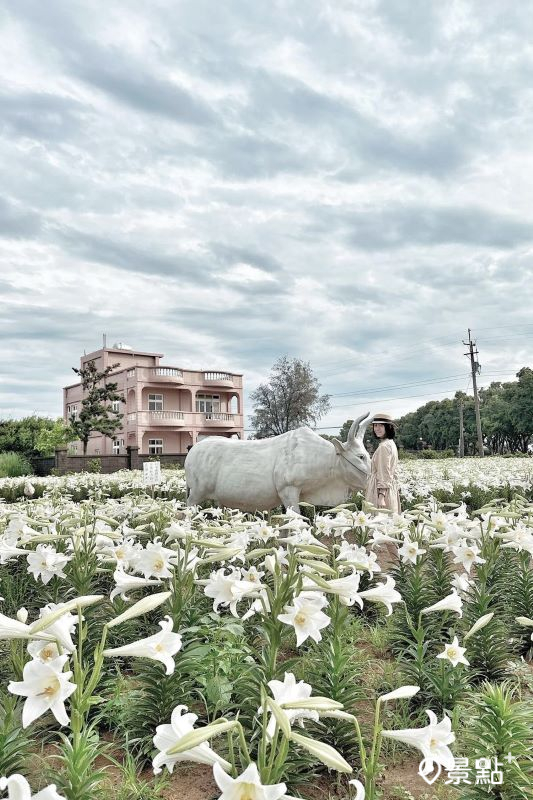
x=150 y=650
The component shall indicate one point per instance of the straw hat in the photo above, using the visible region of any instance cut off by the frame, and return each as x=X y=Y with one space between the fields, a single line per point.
x=384 y=419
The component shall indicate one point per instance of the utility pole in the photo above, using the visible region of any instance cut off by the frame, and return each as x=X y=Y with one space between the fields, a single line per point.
x=476 y=368
x=461 y=430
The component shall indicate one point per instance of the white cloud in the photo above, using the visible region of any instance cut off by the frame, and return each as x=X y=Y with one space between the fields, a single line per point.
x=346 y=182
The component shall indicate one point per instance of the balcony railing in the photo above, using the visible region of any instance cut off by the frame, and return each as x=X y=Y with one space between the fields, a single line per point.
x=167 y=372
x=166 y=415
x=215 y=376
x=219 y=415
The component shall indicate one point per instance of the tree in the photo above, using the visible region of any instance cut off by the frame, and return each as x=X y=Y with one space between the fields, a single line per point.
x=53 y=436
x=289 y=400
x=96 y=415
x=31 y=436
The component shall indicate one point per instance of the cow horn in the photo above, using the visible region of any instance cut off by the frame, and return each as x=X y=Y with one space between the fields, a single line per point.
x=357 y=430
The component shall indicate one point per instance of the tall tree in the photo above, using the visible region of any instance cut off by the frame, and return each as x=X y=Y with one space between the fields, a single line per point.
x=96 y=414
x=290 y=399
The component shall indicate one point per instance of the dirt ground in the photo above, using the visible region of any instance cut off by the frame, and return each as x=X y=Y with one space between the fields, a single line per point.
x=195 y=782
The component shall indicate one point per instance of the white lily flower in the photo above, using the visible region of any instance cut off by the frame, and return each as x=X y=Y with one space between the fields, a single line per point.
x=13 y=628
x=43 y=651
x=62 y=628
x=154 y=561
x=467 y=555
x=454 y=654
x=277 y=558
x=128 y=583
x=461 y=583
x=9 y=549
x=228 y=589
x=46 y=562
x=18 y=788
x=410 y=551
x=46 y=687
x=288 y=691
x=125 y=552
x=247 y=786
x=159 y=647
x=346 y=589
x=306 y=617
x=383 y=593
x=356 y=556
x=168 y=736
x=432 y=741
x=450 y=603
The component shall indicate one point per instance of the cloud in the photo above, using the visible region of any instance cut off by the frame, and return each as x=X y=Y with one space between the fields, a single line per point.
x=345 y=181
x=17 y=222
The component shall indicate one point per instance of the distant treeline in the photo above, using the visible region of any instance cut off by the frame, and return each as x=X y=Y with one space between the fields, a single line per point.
x=506 y=420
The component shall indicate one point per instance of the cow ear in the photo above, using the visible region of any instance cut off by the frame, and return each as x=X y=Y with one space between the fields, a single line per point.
x=339 y=447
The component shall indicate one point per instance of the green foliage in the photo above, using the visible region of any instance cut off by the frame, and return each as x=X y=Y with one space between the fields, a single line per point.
x=156 y=694
x=13 y=465
x=94 y=465
x=30 y=436
x=514 y=582
x=79 y=778
x=494 y=724
x=489 y=650
x=132 y=785
x=15 y=742
x=337 y=665
x=52 y=436
x=432 y=454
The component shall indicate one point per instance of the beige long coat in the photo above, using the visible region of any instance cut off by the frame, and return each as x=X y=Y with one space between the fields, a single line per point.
x=383 y=476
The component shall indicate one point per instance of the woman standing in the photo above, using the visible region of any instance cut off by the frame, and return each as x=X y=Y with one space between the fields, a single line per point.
x=382 y=489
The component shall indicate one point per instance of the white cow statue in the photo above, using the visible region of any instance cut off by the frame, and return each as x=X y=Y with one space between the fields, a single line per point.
x=261 y=474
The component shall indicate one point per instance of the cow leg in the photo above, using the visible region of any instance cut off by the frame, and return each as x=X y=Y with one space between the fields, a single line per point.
x=290 y=497
x=194 y=497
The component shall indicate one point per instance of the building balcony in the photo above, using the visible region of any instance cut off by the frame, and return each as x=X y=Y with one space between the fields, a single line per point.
x=148 y=419
x=171 y=375
x=179 y=419
x=218 y=379
x=219 y=419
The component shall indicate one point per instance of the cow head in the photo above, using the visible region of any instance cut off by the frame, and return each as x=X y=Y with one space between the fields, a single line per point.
x=354 y=460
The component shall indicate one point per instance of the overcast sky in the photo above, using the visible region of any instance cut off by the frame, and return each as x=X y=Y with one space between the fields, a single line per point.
x=345 y=181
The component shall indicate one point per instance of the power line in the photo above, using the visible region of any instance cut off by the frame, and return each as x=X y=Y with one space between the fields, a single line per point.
x=416 y=383
x=409 y=352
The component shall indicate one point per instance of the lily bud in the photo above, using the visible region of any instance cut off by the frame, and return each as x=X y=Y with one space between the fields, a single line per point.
x=141 y=607
x=324 y=752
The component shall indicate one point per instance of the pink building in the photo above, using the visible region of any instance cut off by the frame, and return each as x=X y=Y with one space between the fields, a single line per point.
x=165 y=409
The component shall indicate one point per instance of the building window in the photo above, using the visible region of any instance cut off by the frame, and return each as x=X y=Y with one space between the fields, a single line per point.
x=206 y=403
x=155 y=402
x=115 y=406
x=155 y=446
x=117 y=445
x=72 y=410
x=130 y=374
x=72 y=449
x=97 y=451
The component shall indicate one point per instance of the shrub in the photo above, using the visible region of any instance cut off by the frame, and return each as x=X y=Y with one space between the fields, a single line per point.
x=94 y=465
x=431 y=454
x=13 y=465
